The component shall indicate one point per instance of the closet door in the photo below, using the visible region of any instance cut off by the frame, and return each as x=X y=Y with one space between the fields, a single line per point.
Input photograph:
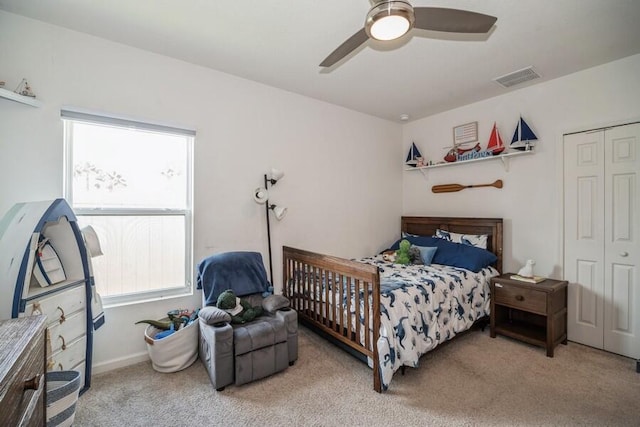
x=622 y=240
x=584 y=236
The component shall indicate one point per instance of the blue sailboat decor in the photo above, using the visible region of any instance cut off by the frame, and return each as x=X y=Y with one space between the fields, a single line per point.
x=523 y=136
x=414 y=155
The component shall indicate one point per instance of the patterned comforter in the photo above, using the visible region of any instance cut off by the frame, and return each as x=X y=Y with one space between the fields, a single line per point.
x=423 y=306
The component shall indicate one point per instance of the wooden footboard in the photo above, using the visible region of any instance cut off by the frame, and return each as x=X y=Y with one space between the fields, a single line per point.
x=327 y=292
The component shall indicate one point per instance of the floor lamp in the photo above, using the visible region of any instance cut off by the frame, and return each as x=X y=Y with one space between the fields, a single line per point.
x=261 y=195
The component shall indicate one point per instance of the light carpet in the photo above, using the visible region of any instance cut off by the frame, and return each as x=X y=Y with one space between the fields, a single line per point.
x=472 y=381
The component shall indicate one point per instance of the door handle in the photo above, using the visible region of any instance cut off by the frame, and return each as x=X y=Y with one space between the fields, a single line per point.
x=624 y=254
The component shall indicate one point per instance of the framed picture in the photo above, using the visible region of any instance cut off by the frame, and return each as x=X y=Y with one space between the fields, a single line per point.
x=467 y=132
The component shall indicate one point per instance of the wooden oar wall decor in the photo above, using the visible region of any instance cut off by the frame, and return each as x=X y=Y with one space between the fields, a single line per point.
x=451 y=188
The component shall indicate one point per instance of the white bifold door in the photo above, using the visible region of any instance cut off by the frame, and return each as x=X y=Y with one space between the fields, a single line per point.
x=602 y=238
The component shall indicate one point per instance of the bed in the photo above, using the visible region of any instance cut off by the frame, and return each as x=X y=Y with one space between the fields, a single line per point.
x=389 y=315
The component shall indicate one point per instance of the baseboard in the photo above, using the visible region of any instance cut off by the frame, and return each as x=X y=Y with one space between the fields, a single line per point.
x=110 y=365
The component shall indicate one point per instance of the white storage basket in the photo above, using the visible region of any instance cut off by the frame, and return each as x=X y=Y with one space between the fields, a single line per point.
x=63 y=388
x=175 y=352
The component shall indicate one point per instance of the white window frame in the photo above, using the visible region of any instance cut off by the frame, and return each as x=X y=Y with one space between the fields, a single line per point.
x=74 y=115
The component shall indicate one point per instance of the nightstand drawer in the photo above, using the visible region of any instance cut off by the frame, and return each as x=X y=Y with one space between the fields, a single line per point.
x=533 y=313
x=521 y=298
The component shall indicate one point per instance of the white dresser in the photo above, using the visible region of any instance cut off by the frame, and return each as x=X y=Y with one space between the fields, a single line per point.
x=66 y=301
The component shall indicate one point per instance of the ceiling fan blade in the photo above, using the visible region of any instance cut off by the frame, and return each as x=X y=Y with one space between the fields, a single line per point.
x=345 y=48
x=452 y=20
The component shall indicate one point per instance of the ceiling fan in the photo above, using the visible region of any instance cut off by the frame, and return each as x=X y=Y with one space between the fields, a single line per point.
x=389 y=20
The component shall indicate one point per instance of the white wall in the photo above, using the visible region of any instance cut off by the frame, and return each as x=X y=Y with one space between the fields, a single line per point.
x=342 y=183
x=531 y=200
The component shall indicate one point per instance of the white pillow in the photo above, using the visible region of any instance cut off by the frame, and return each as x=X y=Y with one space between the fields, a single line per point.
x=477 y=240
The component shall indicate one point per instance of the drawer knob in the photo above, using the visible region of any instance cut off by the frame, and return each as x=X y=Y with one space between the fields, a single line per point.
x=519 y=298
x=62 y=318
x=64 y=344
x=33 y=383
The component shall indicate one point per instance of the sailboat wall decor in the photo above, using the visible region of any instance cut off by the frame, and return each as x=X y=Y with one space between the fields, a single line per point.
x=523 y=137
x=495 y=144
x=522 y=143
x=414 y=158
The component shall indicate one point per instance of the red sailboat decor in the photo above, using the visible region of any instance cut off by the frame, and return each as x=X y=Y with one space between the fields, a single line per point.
x=495 y=145
x=523 y=136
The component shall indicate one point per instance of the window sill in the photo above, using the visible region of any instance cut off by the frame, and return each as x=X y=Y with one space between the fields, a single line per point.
x=114 y=302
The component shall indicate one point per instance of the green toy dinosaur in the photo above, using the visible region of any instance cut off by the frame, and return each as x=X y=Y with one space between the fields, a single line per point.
x=175 y=317
x=239 y=310
x=402 y=255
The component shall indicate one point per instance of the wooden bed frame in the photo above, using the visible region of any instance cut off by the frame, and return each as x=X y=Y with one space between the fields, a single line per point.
x=328 y=319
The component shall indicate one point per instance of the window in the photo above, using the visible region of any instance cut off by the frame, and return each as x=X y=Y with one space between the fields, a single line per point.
x=132 y=182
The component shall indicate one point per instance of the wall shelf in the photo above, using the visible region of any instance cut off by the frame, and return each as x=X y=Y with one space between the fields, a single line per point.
x=503 y=157
x=27 y=100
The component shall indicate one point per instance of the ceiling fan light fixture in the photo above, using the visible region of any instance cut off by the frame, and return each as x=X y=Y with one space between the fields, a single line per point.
x=389 y=20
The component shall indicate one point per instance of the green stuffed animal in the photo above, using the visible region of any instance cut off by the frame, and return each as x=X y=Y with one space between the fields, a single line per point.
x=239 y=310
x=402 y=255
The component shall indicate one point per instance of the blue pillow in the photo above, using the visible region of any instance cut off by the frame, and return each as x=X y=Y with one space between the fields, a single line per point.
x=453 y=254
x=427 y=253
x=415 y=240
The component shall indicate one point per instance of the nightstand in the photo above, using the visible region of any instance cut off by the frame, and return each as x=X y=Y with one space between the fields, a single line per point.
x=535 y=313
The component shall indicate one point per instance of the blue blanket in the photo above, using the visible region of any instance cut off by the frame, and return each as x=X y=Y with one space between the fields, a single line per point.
x=243 y=272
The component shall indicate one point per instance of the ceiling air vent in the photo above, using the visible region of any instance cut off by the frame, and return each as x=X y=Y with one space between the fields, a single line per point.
x=517 y=77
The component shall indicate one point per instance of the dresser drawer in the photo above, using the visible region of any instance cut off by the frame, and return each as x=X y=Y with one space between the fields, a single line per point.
x=59 y=305
x=22 y=381
x=60 y=335
x=31 y=383
x=20 y=401
x=73 y=355
x=521 y=298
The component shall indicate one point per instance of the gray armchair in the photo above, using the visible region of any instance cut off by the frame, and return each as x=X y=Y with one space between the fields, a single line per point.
x=240 y=353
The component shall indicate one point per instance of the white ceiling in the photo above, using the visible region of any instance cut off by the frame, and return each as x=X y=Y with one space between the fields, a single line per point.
x=281 y=42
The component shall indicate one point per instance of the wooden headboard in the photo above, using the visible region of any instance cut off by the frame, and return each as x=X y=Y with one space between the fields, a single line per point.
x=427 y=225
